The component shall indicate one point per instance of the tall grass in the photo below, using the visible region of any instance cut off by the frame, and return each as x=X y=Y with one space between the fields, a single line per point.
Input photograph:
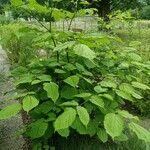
x=139 y=33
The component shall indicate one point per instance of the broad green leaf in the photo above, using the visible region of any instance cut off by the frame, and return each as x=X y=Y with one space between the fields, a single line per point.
x=87 y=80
x=124 y=95
x=68 y=92
x=51 y=117
x=140 y=86
x=35 y=82
x=107 y=96
x=25 y=79
x=141 y=133
x=102 y=135
x=126 y=88
x=16 y=3
x=66 y=45
x=99 y=89
x=79 y=127
x=108 y=83
x=69 y=103
x=87 y=73
x=97 y=101
x=69 y=67
x=20 y=95
x=72 y=80
x=137 y=96
x=113 y=124
x=83 y=95
x=64 y=132
x=80 y=67
x=53 y=64
x=134 y=56
x=33 y=5
x=29 y=102
x=89 y=63
x=92 y=128
x=37 y=129
x=124 y=65
x=83 y=115
x=44 y=108
x=10 y=111
x=59 y=71
x=126 y=114
x=121 y=138
x=84 y=51
x=52 y=90
x=45 y=77
x=84 y=2
x=65 y=119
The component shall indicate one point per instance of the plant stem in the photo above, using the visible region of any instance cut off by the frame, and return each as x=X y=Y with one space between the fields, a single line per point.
x=50 y=23
x=57 y=57
x=67 y=57
x=74 y=15
x=69 y=27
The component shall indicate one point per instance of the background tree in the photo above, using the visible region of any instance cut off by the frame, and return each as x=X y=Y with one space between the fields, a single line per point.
x=104 y=7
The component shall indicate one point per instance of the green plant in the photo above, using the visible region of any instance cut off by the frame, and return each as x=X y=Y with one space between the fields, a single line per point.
x=17 y=40
x=81 y=88
x=145 y=13
x=5 y=20
x=73 y=93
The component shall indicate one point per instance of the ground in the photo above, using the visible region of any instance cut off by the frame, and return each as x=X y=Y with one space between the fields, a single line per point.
x=8 y=128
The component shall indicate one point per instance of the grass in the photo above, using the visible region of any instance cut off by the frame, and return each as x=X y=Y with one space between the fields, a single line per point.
x=141 y=37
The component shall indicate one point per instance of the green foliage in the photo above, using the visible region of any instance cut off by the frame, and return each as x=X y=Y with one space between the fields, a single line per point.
x=29 y=102
x=72 y=80
x=140 y=132
x=145 y=12
x=84 y=51
x=102 y=135
x=37 y=129
x=81 y=87
x=83 y=115
x=113 y=124
x=52 y=90
x=97 y=101
x=17 y=39
x=10 y=111
x=65 y=120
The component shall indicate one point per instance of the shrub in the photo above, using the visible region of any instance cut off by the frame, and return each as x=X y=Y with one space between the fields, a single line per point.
x=81 y=91
x=83 y=87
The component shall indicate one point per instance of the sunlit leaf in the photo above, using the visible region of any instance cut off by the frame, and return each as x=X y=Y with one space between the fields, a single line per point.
x=113 y=124
x=10 y=111
x=83 y=115
x=65 y=119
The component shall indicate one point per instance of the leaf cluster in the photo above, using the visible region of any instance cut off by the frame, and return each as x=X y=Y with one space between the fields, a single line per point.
x=82 y=86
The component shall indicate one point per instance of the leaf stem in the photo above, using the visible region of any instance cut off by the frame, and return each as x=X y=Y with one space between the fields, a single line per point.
x=67 y=57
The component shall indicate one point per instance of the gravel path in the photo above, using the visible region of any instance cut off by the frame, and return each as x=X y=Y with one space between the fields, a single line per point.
x=8 y=137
